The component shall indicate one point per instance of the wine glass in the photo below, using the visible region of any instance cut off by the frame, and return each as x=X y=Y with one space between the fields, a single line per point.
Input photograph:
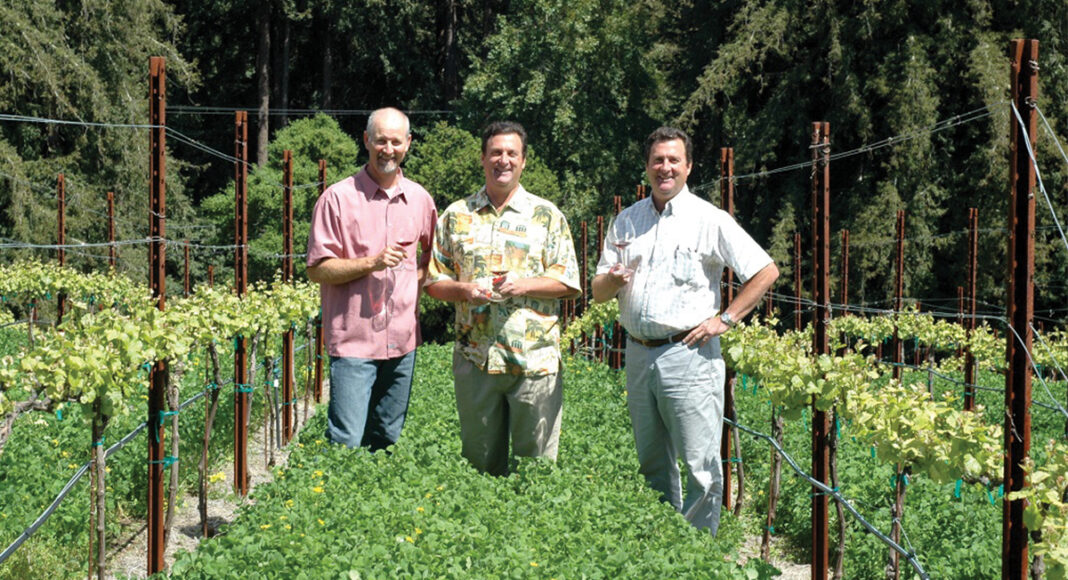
x=384 y=311
x=497 y=261
x=622 y=235
x=406 y=232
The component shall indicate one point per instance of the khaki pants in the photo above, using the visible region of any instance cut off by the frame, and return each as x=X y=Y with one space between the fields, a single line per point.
x=492 y=407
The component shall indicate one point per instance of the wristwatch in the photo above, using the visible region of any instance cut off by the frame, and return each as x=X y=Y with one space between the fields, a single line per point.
x=727 y=319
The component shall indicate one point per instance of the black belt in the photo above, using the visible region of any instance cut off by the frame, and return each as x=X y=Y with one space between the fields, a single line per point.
x=660 y=341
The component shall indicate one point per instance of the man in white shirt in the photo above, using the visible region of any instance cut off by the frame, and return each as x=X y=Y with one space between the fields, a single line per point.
x=669 y=299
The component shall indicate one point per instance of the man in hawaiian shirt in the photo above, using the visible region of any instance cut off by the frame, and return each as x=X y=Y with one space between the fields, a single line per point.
x=505 y=257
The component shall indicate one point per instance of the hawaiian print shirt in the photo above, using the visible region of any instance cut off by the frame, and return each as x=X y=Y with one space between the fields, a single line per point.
x=528 y=238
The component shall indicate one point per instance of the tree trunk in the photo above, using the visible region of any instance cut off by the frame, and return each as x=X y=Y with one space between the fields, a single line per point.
x=263 y=81
x=209 y=420
x=280 y=68
x=773 y=486
x=308 y=386
x=327 y=56
x=268 y=412
x=893 y=568
x=99 y=468
x=450 y=77
x=172 y=490
x=740 y=501
x=839 y=560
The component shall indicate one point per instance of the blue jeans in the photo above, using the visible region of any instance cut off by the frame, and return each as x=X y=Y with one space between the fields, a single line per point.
x=368 y=400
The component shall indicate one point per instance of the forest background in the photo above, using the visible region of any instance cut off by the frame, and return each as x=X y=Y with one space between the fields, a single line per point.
x=588 y=78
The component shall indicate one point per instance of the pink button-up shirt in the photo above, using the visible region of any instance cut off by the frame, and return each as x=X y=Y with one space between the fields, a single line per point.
x=356 y=218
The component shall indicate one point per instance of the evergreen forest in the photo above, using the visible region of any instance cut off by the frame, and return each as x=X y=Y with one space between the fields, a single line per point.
x=915 y=92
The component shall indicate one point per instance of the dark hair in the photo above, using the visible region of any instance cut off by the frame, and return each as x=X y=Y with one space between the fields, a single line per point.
x=669 y=134
x=504 y=128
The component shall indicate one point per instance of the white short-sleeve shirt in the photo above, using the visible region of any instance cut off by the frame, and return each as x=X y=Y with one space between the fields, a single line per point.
x=678 y=258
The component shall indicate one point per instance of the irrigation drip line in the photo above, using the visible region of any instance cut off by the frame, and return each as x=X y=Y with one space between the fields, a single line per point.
x=908 y=554
x=1038 y=174
x=41 y=519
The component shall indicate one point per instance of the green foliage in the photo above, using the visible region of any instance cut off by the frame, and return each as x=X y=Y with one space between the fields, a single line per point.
x=310 y=140
x=422 y=511
x=579 y=76
x=84 y=61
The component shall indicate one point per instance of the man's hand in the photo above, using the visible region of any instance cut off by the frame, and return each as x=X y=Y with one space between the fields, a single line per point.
x=390 y=257
x=509 y=287
x=620 y=275
x=476 y=294
x=703 y=332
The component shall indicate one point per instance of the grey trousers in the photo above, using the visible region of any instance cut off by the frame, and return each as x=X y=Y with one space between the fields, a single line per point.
x=675 y=399
x=492 y=407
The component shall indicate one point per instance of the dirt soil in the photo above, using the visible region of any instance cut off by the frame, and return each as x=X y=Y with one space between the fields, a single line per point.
x=129 y=557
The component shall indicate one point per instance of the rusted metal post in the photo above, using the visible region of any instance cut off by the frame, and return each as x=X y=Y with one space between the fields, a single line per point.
x=616 y=358
x=726 y=194
x=797 y=281
x=583 y=280
x=61 y=239
x=598 y=333
x=821 y=295
x=211 y=276
x=973 y=268
x=1024 y=75
x=157 y=390
x=288 y=400
x=113 y=254
x=319 y=318
x=242 y=387
x=899 y=292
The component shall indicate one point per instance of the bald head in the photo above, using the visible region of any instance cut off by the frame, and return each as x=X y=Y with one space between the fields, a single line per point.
x=386 y=116
x=387 y=139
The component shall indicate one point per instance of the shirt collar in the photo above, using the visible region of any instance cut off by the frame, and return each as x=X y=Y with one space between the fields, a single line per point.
x=678 y=203
x=520 y=201
x=365 y=183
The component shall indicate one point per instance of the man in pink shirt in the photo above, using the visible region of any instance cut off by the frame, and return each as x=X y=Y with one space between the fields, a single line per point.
x=362 y=253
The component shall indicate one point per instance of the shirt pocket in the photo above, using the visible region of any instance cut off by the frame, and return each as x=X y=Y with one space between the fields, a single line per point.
x=686 y=267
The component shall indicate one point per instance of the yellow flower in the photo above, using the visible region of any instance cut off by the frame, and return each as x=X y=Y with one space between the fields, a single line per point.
x=318 y=489
x=429 y=495
x=535 y=564
x=409 y=539
x=321 y=522
x=64 y=454
x=72 y=466
x=288 y=527
x=55 y=442
x=420 y=509
x=265 y=526
x=217 y=477
x=317 y=473
x=289 y=503
x=283 y=517
x=418 y=531
x=440 y=488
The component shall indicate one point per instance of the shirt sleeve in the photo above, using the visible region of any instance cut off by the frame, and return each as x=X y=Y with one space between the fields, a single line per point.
x=559 y=261
x=324 y=237
x=739 y=251
x=426 y=239
x=441 y=265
